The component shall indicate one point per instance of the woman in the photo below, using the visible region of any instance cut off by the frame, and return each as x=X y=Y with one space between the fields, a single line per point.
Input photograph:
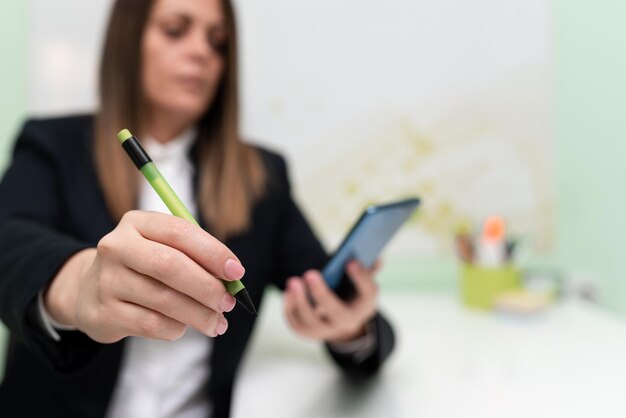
x=114 y=307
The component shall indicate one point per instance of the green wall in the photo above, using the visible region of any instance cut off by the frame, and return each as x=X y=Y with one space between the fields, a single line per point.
x=590 y=82
x=12 y=86
x=13 y=71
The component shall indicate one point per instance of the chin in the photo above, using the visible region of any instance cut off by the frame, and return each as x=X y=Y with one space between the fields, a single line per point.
x=195 y=109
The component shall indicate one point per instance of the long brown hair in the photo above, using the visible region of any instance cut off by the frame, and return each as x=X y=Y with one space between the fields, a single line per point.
x=231 y=176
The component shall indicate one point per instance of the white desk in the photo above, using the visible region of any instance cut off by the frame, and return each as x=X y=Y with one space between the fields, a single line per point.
x=449 y=362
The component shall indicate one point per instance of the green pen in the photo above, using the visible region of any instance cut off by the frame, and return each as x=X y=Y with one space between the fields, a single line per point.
x=144 y=163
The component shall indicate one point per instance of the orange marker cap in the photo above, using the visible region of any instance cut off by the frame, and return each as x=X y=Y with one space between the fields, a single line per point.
x=494 y=228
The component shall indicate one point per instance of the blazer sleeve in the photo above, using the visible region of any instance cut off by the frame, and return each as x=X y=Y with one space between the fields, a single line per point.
x=32 y=248
x=299 y=250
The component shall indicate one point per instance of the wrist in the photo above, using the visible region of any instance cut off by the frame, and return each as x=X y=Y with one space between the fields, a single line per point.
x=359 y=348
x=60 y=297
x=350 y=336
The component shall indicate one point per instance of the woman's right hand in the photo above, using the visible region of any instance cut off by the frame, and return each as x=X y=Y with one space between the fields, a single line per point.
x=152 y=276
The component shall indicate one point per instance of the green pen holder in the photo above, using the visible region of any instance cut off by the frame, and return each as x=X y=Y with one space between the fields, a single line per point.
x=481 y=285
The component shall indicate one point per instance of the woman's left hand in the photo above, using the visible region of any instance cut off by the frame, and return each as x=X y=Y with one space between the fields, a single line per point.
x=331 y=319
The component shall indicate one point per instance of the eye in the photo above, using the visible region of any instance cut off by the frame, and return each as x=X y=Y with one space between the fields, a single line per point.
x=218 y=39
x=175 y=29
x=174 y=33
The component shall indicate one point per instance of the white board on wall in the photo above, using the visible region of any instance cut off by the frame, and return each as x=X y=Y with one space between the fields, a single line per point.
x=370 y=100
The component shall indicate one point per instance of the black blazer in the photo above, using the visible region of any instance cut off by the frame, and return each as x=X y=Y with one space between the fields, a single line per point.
x=51 y=206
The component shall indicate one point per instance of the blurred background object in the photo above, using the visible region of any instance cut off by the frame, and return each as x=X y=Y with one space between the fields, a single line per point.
x=492 y=271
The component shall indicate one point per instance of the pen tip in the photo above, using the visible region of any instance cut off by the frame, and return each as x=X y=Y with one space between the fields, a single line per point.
x=244 y=299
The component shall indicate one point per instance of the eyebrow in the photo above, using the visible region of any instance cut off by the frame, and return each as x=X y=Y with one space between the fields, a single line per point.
x=187 y=17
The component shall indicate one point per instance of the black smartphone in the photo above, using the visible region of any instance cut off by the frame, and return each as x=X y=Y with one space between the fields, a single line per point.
x=365 y=241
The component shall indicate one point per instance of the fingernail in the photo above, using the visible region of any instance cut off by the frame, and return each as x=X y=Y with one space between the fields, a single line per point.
x=233 y=270
x=222 y=326
x=293 y=285
x=228 y=303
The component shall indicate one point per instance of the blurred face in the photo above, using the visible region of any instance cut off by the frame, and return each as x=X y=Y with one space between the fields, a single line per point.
x=182 y=56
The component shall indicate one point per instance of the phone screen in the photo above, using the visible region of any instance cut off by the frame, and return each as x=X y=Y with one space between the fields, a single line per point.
x=374 y=229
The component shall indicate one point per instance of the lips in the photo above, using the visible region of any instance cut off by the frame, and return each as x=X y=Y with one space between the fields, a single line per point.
x=192 y=82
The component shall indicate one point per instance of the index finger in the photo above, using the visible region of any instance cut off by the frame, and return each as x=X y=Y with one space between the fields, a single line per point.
x=190 y=239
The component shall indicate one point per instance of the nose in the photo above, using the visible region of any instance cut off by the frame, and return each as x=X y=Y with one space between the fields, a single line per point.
x=198 y=46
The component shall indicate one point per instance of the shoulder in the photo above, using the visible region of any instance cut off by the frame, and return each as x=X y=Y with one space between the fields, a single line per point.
x=270 y=158
x=58 y=141
x=58 y=129
x=275 y=165
x=58 y=138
